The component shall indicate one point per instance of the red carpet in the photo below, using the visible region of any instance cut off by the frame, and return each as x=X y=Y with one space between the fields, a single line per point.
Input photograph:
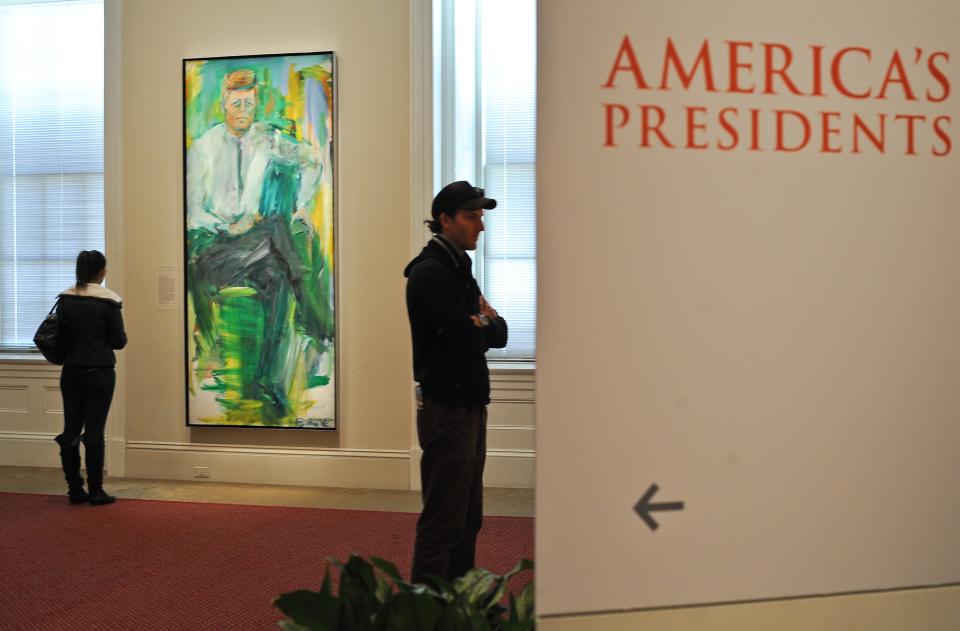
x=141 y=564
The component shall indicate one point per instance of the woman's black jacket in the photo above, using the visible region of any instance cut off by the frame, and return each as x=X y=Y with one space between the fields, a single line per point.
x=94 y=325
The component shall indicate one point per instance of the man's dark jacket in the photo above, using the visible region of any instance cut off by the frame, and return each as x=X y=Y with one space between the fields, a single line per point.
x=448 y=348
x=94 y=326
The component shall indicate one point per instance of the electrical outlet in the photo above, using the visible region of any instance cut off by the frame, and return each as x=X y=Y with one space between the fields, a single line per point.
x=201 y=472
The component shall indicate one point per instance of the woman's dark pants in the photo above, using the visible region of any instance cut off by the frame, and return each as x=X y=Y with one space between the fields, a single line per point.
x=87 y=392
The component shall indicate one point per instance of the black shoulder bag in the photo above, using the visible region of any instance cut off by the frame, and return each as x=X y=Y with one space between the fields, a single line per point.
x=51 y=336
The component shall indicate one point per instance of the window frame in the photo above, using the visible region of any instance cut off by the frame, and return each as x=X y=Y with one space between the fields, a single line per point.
x=457 y=121
x=96 y=180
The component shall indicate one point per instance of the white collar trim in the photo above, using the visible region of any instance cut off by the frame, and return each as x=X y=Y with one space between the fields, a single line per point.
x=93 y=291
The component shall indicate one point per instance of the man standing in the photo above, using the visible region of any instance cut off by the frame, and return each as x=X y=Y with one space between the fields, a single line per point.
x=452 y=326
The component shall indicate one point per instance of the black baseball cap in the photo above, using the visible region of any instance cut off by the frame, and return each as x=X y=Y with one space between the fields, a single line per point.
x=461 y=195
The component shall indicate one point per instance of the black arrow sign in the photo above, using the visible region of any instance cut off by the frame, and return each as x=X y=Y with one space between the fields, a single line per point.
x=644 y=507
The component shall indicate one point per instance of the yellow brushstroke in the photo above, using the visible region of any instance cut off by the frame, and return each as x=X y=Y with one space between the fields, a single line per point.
x=296 y=104
x=322 y=218
x=191 y=344
x=298 y=382
x=233 y=292
x=193 y=85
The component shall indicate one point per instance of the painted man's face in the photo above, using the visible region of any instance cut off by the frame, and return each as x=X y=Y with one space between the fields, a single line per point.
x=239 y=108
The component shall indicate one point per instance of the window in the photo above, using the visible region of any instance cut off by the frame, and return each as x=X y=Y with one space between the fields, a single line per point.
x=485 y=132
x=51 y=155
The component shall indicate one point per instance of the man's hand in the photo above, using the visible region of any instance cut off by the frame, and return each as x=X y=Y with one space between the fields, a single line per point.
x=486 y=309
x=486 y=314
x=242 y=225
x=301 y=217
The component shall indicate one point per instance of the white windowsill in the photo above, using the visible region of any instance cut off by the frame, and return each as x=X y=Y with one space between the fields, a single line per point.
x=22 y=358
x=512 y=367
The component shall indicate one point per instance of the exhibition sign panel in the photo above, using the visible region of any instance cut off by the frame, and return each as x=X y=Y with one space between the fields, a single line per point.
x=749 y=254
x=260 y=247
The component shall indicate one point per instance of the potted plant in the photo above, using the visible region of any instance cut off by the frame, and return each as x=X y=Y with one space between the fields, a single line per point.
x=372 y=596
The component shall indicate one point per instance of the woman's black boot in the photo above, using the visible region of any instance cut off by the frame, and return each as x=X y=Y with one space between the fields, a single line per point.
x=70 y=461
x=95 y=453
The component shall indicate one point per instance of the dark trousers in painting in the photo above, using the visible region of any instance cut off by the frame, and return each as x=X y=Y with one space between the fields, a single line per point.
x=263 y=258
x=454 y=443
x=87 y=392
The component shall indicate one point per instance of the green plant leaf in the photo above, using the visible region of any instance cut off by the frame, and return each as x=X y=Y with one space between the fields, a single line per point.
x=497 y=595
x=357 y=594
x=476 y=621
x=475 y=586
x=410 y=612
x=312 y=610
x=387 y=568
x=524 y=603
x=372 y=596
x=384 y=590
x=525 y=564
x=460 y=616
x=441 y=586
x=327 y=586
x=361 y=569
x=390 y=570
x=420 y=588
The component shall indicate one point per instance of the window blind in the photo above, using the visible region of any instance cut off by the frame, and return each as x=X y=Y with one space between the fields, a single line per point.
x=508 y=89
x=486 y=87
x=51 y=155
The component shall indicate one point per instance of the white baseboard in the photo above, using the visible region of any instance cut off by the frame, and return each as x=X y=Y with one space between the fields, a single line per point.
x=37 y=449
x=116 y=456
x=505 y=468
x=510 y=468
x=28 y=449
x=345 y=468
x=416 y=454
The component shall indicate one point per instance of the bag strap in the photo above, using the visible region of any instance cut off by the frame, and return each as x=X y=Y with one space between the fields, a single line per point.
x=55 y=305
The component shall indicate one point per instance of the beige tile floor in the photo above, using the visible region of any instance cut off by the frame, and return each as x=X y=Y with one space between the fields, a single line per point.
x=511 y=502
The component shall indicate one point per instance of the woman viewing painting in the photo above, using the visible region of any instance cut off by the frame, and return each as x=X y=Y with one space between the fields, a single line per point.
x=93 y=330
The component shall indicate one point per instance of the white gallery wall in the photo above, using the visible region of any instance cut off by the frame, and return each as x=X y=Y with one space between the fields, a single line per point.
x=749 y=248
x=375 y=445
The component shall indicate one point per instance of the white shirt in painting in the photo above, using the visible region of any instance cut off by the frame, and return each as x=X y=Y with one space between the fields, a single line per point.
x=225 y=175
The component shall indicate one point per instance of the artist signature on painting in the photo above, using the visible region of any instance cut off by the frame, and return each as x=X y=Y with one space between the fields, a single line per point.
x=314 y=423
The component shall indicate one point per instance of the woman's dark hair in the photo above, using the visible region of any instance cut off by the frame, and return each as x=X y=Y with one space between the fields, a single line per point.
x=89 y=265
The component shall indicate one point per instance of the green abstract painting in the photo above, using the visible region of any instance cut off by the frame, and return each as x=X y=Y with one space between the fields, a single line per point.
x=259 y=221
